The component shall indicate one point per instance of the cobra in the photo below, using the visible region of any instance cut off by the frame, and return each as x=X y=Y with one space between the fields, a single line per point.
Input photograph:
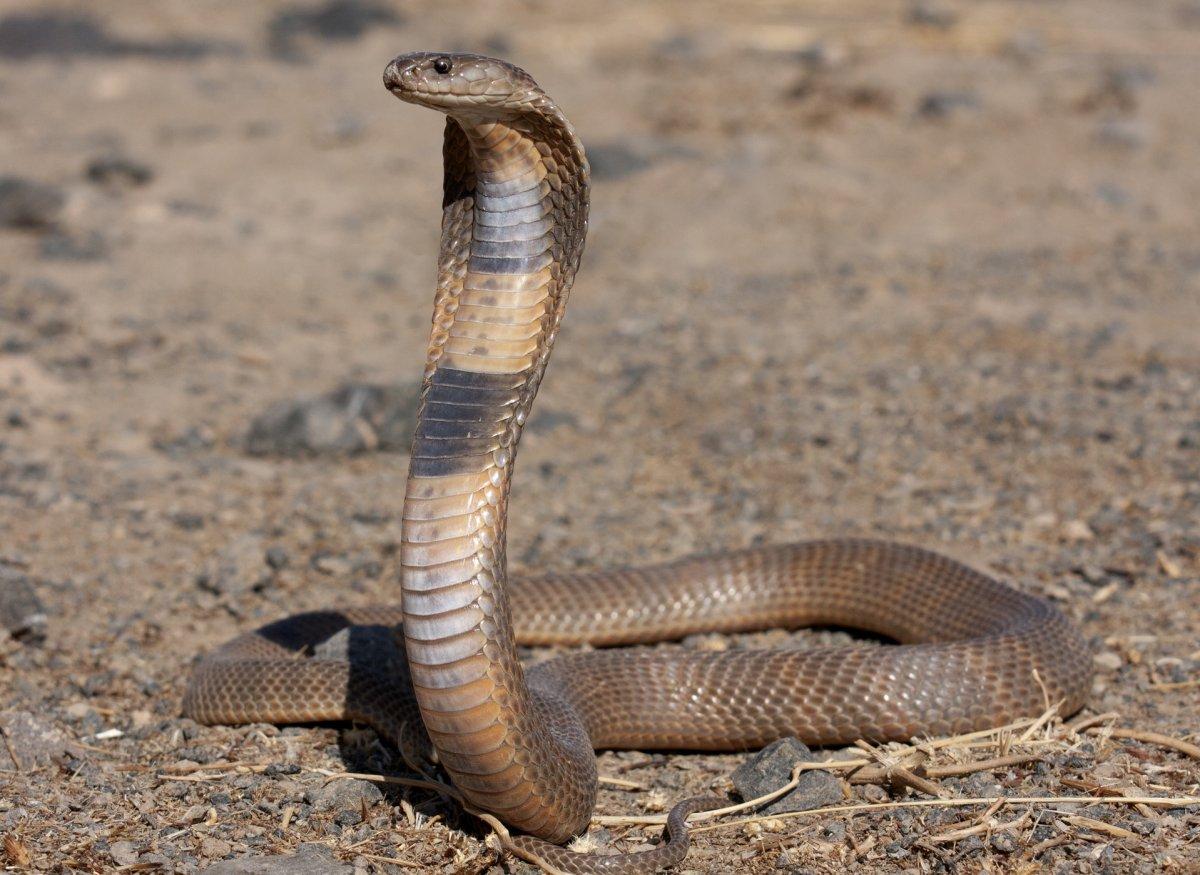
x=518 y=742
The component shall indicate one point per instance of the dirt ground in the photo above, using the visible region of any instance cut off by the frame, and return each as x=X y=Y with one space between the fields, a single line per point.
x=928 y=272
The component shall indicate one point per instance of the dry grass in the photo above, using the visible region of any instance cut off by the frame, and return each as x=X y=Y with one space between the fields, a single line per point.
x=907 y=771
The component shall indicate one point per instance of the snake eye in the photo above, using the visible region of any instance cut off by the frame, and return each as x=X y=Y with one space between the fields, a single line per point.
x=442 y=65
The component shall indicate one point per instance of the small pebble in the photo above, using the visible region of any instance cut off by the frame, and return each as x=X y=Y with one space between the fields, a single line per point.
x=771 y=768
x=277 y=557
x=117 y=171
x=21 y=611
x=1077 y=530
x=944 y=104
x=930 y=13
x=1123 y=133
x=29 y=205
x=1004 y=843
x=347 y=794
x=123 y=853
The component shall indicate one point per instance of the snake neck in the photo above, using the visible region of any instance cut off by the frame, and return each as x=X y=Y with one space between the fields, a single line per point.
x=513 y=228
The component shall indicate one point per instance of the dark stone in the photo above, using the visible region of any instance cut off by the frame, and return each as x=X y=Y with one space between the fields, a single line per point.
x=277 y=557
x=187 y=521
x=354 y=418
x=26 y=35
x=344 y=795
x=982 y=784
x=1004 y=843
x=60 y=246
x=310 y=859
x=21 y=612
x=943 y=104
x=118 y=172
x=970 y=845
x=834 y=832
x=28 y=204
x=771 y=768
x=333 y=21
x=191 y=439
x=615 y=160
x=549 y=420
x=1143 y=826
x=927 y=13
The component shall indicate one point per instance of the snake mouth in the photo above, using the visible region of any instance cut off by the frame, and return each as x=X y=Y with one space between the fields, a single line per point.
x=459 y=83
x=401 y=77
x=413 y=79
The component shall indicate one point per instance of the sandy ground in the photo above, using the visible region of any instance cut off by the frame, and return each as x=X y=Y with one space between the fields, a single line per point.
x=924 y=272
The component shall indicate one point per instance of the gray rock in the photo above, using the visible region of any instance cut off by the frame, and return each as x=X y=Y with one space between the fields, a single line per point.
x=59 y=246
x=354 y=418
x=344 y=795
x=1004 y=843
x=25 y=36
x=28 y=204
x=335 y=20
x=118 y=171
x=124 y=853
x=277 y=557
x=1025 y=46
x=943 y=104
x=821 y=55
x=240 y=566
x=30 y=741
x=982 y=784
x=1123 y=133
x=21 y=612
x=308 y=860
x=615 y=160
x=928 y=13
x=771 y=768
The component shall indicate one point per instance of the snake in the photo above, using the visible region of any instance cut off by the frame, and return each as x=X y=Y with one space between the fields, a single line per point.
x=517 y=741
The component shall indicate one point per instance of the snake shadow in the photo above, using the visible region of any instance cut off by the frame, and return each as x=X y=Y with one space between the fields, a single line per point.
x=378 y=697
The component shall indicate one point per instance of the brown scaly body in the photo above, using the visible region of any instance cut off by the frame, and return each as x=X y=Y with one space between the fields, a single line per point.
x=518 y=743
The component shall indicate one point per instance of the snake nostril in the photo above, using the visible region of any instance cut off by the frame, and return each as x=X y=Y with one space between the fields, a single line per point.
x=391 y=76
x=399 y=71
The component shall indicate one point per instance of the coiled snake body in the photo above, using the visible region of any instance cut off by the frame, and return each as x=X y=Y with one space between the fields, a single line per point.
x=518 y=742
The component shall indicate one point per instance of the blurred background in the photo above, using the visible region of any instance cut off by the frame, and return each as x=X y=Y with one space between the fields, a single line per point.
x=923 y=270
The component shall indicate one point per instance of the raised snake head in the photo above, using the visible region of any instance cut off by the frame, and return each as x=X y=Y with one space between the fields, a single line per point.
x=462 y=84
